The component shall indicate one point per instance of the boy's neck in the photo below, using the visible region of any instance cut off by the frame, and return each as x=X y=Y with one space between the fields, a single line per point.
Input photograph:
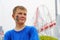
x=19 y=27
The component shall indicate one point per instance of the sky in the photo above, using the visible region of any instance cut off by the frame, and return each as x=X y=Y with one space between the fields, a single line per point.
x=6 y=8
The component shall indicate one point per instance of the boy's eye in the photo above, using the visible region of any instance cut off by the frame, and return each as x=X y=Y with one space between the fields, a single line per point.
x=24 y=13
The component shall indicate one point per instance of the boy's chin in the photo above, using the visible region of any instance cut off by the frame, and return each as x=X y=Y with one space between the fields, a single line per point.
x=22 y=22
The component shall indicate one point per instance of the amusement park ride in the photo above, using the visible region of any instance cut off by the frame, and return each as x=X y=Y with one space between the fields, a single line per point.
x=39 y=17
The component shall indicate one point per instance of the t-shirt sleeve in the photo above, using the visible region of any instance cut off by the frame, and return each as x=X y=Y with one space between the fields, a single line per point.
x=7 y=36
x=34 y=34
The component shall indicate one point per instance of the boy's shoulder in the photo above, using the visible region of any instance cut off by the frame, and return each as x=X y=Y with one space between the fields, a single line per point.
x=8 y=32
x=31 y=28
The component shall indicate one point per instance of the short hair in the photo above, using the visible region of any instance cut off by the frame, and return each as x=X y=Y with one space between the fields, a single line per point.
x=19 y=7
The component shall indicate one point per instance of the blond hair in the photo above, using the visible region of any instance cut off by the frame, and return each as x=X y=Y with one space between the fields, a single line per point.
x=19 y=7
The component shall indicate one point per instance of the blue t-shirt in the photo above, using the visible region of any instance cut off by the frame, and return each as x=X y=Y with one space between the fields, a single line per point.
x=28 y=33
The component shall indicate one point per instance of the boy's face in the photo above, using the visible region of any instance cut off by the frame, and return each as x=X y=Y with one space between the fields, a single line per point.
x=20 y=16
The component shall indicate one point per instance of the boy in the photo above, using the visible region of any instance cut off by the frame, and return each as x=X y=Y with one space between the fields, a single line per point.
x=21 y=31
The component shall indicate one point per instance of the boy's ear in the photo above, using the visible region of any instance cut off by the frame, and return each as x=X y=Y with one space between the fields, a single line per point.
x=12 y=15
